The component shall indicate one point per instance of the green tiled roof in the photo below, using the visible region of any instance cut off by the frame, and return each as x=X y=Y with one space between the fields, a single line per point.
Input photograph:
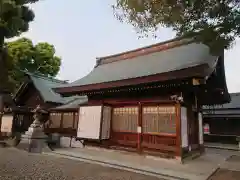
x=231 y=109
x=45 y=87
x=73 y=104
x=233 y=104
x=181 y=57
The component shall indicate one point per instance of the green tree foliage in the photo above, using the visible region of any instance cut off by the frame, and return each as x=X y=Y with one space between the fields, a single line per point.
x=39 y=58
x=213 y=22
x=15 y=16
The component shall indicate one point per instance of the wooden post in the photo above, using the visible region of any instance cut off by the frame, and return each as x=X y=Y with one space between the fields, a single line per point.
x=178 y=130
x=101 y=122
x=196 y=119
x=61 y=121
x=70 y=144
x=139 y=130
x=111 y=128
x=73 y=114
x=74 y=119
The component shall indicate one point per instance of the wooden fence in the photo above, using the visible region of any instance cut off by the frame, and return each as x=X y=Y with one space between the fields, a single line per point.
x=64 y=123
x=21 y=123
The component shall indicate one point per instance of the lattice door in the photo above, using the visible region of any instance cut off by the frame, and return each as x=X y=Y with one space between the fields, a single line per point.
x=125 y=119
x=124 y=125
x=159 y=128
x=159 y=119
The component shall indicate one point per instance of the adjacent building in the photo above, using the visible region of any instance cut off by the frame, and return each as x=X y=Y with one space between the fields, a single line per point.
x=222 y=123
x=35 y=90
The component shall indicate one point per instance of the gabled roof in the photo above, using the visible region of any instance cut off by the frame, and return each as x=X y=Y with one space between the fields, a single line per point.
x=45 y=86
x=157 y=59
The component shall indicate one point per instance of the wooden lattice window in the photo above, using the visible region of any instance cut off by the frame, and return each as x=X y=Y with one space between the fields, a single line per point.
x=55 y=119
x=159 y=119
x=125 y=119
x=67 y=120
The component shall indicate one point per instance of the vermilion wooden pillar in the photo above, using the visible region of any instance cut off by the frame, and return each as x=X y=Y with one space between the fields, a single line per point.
x=178 y=131
x=139 y=130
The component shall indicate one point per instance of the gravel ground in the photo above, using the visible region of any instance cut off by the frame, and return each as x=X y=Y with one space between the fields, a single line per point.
x=20 y=165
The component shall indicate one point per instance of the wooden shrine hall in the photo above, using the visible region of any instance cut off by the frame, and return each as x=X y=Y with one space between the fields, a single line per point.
x=37 y=89
x=222 y=123
x=149 y=100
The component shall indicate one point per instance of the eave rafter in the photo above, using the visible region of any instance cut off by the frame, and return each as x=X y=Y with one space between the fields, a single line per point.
x=180 y=84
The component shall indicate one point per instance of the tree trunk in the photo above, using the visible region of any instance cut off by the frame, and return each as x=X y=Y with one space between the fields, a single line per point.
x=1 y=76
x=5 y=98
x=1 y=67
x=3 y=70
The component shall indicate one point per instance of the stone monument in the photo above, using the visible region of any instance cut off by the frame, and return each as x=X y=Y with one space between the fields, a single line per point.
x=35 y=140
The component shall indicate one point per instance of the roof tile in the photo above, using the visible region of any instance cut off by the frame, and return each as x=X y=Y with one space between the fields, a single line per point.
x=185 y=56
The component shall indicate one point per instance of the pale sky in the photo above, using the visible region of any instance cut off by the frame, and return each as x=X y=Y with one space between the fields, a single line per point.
x=83 y=30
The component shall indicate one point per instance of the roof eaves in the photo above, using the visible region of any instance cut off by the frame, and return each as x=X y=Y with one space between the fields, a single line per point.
x=183 y=73
x=52 y=79
x=71 y=104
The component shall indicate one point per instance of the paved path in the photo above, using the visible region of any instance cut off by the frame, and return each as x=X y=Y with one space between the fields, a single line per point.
x=197 y=169
x=20 y=165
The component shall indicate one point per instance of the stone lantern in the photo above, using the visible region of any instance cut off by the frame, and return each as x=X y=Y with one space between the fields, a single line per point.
x=35 y=140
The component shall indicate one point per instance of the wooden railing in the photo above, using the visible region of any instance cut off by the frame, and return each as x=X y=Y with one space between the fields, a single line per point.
x=159 y=142
x=125 y=139
x=64 y=123
x=148 y=142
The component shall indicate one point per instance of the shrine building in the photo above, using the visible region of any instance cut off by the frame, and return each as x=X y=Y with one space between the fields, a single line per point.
x=150 y=99
x=222 y=122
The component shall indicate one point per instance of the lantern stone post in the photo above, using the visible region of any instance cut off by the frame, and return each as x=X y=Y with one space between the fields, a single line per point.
x=35 y=140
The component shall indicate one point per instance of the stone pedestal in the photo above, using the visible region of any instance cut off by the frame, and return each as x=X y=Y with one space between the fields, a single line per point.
x=34 y=140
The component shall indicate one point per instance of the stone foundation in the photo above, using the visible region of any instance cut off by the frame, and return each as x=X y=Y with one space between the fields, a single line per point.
x=59 y=141
x=34 y=140
x=70 y=142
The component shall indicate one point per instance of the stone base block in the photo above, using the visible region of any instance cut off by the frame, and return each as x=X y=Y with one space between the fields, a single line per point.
x=76 y=144
x=70 y=142
x=65 y=142
x=34 y=145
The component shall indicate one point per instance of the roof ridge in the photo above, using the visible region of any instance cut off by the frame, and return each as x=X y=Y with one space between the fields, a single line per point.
x=157 y=47
x=42 y=76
